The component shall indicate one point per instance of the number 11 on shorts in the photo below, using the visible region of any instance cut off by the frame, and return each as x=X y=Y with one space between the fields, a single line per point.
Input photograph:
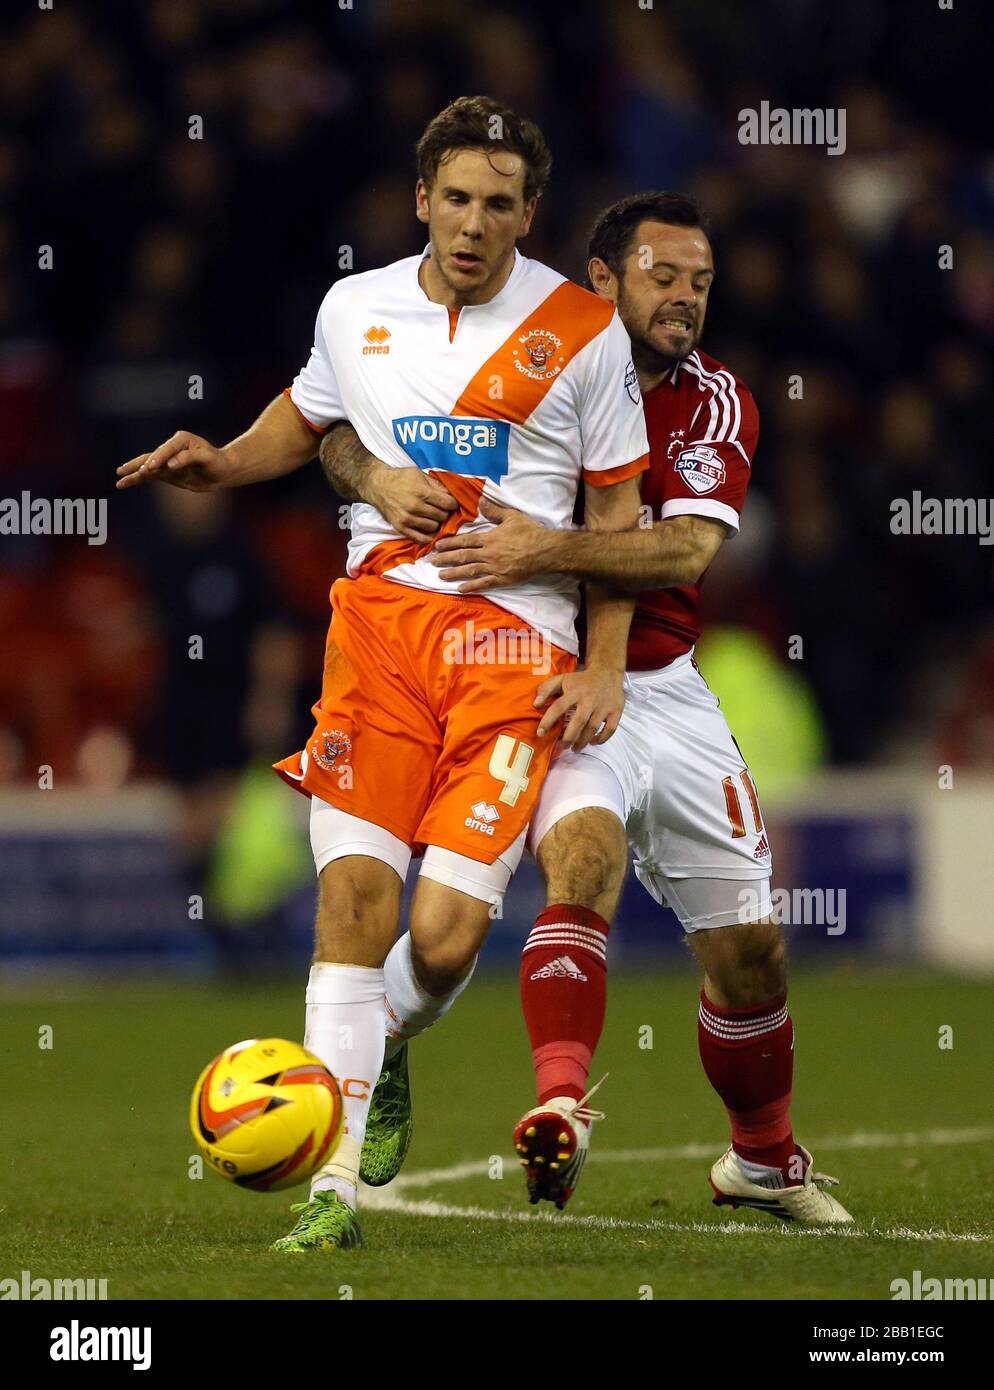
x=509 y=763
x=733 y=804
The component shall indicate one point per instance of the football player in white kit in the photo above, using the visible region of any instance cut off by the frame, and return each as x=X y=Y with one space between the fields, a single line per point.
x=481 y=373
x=672 y=780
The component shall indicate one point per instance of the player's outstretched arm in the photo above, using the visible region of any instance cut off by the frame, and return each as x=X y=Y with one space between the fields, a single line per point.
x=278 y=442
x=413 y=503
x=675 y=551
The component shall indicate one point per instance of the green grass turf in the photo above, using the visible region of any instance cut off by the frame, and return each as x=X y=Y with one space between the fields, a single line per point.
x=95 y=1149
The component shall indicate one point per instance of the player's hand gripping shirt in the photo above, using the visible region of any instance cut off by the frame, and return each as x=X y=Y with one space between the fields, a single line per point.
x=531 y=390
x=703 y=428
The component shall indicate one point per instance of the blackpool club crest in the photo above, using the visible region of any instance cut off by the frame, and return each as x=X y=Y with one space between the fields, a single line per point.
x=538 y=356
x=332 y=750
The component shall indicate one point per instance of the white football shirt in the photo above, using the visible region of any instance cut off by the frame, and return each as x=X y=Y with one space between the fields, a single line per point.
x=514 y=399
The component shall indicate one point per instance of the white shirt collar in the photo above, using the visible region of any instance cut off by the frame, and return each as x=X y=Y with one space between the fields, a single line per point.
x=517 y=269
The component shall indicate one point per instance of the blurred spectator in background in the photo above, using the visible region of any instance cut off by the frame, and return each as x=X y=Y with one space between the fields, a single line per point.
x=224 y=697
x=187 y=273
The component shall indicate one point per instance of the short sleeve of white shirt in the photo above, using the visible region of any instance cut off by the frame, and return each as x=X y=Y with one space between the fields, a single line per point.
x=612 y=423
x=315 y=390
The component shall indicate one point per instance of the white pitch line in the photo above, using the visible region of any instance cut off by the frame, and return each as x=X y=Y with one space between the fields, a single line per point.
x=929 y=1138
x=428 y=1177
x=378 y=1199
x=384 y=1201
x=914 y=1139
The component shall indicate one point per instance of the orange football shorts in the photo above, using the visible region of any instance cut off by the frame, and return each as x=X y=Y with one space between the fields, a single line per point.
x=427 y=724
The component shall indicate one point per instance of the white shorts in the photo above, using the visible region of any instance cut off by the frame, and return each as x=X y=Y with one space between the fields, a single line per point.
x=673 y=774
x=335 y=835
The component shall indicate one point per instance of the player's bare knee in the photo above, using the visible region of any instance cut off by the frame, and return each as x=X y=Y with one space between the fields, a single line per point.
x=744 y=965
x=447 y=930
x=583 y=859
x=439 y=966
x=358 y=911
x=357 y=887
x=764 y=956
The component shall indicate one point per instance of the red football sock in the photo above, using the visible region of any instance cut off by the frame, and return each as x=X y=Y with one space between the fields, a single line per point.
x=749 y=1060
x=563 y=995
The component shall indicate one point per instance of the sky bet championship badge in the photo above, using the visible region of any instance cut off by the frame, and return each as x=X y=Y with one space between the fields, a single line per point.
x=700 y=468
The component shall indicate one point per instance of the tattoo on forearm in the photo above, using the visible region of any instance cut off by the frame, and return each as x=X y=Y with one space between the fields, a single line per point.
x=345 y=462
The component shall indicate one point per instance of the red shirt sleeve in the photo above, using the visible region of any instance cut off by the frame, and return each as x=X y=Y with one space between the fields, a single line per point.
x=709 y=475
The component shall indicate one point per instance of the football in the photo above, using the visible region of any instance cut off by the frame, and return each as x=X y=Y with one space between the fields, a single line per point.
x=266 y=1114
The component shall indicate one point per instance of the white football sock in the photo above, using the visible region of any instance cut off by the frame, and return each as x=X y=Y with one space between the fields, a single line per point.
x=345 y=1028
x=411 y=1010
x=762 y=1174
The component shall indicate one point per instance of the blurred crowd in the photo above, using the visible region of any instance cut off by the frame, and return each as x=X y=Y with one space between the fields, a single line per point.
x=175 y=258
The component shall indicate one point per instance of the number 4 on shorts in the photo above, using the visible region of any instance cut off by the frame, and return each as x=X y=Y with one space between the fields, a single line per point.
x=509 y=763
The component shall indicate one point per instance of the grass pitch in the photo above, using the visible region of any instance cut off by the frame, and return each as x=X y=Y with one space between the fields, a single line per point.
x=96 y=1153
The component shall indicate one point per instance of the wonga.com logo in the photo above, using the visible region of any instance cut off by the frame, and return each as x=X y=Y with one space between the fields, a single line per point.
x=474 y=447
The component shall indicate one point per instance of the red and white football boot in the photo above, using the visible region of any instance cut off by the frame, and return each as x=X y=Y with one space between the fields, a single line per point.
x=552 y=1142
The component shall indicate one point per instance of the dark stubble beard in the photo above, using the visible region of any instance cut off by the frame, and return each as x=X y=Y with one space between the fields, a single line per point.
x=647 y=357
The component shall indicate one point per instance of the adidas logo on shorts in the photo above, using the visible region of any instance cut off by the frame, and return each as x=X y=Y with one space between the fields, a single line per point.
x=762 y=849
x=562 y=968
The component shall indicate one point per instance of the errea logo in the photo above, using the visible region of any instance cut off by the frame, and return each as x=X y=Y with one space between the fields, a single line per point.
x=376 y=338
x=482 y=816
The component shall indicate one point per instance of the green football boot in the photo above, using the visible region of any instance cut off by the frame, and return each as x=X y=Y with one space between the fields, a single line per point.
x=390 y=1124
x=324 y=1223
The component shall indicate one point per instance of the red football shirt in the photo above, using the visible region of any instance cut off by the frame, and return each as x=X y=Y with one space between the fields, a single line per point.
x=703 y=425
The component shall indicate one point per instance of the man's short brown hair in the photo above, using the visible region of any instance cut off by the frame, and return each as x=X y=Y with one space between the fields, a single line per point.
x=480 y=123
x=614 y=231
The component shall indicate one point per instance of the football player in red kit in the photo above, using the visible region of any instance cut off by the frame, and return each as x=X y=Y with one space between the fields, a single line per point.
x=671 y=785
